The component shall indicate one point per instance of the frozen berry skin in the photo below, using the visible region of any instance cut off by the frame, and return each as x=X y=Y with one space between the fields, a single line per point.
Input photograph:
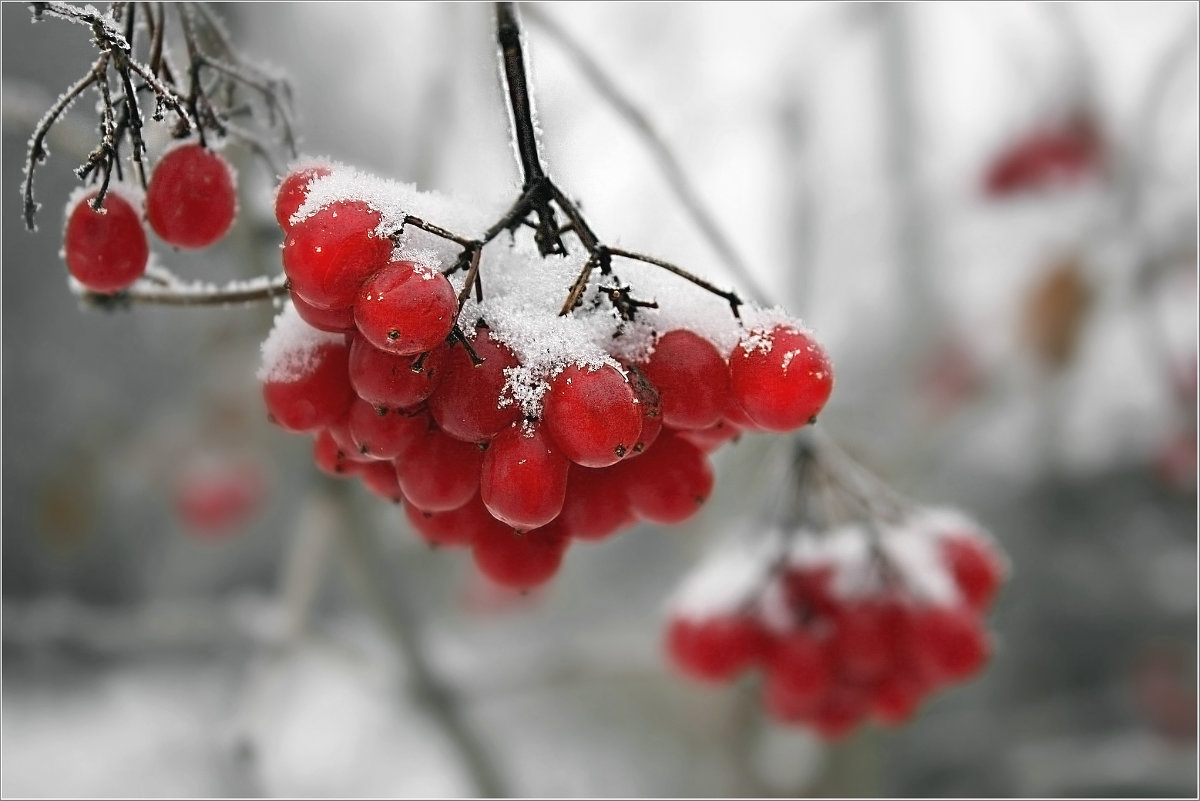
x=692 y=380
x=467 y=403
x=328 y=255
x=715 y=649
x=331 y=459
x=380 y=478
x=864 y=639
x=521 y=561
x=105 y=252
x=335 y=321
x=977 y=570
x=191 y=200
x=293 y=191
x=385 y=379
x=593 y=415
x=317 y=399
x=382 y=433
x=523 y=481
x=406 y=308
x=780 y=379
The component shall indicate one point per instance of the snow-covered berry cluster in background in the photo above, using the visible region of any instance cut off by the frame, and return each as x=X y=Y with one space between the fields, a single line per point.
x=844 y=625
x=505 y=425
x=190 y=202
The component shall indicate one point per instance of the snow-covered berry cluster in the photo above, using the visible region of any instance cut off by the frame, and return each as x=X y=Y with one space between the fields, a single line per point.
x=502 y=424
x=844 y=625
x=190 y=202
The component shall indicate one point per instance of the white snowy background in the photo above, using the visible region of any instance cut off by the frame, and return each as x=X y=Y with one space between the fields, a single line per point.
x=142 y=660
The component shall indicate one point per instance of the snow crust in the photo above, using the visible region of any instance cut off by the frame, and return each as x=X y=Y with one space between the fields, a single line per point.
x=524 y=292
x=289 y=351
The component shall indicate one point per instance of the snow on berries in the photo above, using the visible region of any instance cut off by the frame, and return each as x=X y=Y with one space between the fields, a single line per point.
x=843 y=625
x=501 y=424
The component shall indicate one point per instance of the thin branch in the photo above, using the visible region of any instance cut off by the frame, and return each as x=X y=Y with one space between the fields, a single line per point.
x=37 y=145
x=730 y=297
x=660 y=151
x=516 y=84
x=400 y=625
x=162 y=291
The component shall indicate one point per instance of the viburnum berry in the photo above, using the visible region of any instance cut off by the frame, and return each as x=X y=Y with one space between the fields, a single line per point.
x=456 y=527
x=191 y=200
x=691 y=377
x=597 y=503
x=976 y=569
x=314 y=397
x=520 y=560
x=524 y=477
x=593 y=415
x=213 y=502
x=292 y=193
x=669 y=482
x=380 y=478
x=383 y=433
x=335 y=321
x=864 y=639
x=385 y=379
x=331 y=458
x=651 y=406
x=949 y=643
x=799 y=673
x=105 y=251
x=406 y=308
x=439 y=473
x=328 y=255
x=715 y=648
x=467 y=401
x=780 y=378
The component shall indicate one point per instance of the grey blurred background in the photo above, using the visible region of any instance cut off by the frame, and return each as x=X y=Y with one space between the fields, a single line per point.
x=1030 y=359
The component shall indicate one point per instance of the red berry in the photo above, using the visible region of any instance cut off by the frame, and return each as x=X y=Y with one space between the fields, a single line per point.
x=669 y=482
x=329 y=255
x=864 y=639
x=651 y=406
x=781 y=378
x=316 y=398
x=809 y=591
x=466 y=404
x=406 y=308
x=105 y=252
x=692 y=380
x=457 y=527
x=947 y=643
x=439 y=473
x=840 y=711
x=716 y=648
x=799 y=672
x=292 y=193
x=896 y=696
x=385 y=379
x=593 y=415
x=382 y=433
x=380 y=478
x=335 y=321
x=711 y=438
x=521 y=561
x=331 y=458
x=597 y=504
x=214 y=502
x=524 y=477
x=191 y=200
x=977 y=571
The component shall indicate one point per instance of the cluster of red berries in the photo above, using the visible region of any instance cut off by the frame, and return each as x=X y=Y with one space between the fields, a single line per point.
x=834 y=651
x=429 y=419
x=190 y=202
x=1045 y=158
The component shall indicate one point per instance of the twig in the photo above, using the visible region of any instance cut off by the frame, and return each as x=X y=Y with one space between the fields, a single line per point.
x=399 y=624
x=706 y=223
x=157 y=291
